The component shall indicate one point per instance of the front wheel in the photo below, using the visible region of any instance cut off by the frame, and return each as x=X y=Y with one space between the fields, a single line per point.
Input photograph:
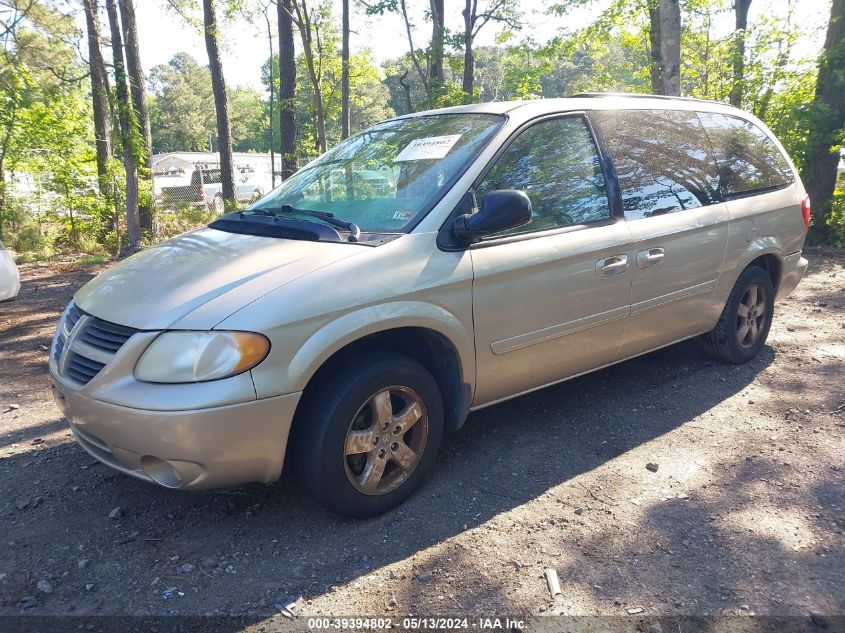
x=744 y=325
x=367 y=434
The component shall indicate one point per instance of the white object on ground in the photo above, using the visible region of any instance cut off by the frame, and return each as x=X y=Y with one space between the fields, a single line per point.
x=10 y=278
x=554 y=583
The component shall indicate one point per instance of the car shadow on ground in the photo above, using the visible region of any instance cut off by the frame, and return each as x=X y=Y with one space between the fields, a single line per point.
x=247 y=544
x=682 y=551
x=234 y=551
x=667 y=569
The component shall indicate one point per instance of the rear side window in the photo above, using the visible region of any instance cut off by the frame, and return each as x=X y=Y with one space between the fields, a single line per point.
x=556 y=163
x=207 y=175
x=748 y=159
x=663 y=160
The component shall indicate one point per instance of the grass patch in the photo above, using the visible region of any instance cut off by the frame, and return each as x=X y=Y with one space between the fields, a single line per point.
x=93 y=260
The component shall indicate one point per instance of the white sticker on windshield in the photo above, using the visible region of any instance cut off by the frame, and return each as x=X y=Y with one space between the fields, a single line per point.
x=431 y=148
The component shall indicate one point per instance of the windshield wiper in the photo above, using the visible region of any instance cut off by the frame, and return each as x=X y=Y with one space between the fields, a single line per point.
x=325 y=216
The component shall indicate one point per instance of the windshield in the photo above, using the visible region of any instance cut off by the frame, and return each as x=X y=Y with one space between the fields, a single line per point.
x=385 y=177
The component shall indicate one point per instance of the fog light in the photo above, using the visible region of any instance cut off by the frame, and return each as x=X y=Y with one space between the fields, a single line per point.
x=161 y=472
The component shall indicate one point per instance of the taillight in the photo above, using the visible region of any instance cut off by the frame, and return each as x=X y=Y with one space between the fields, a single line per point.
x=805 y=211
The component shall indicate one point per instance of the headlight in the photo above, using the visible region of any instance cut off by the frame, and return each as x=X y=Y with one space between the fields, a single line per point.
x=200 y=356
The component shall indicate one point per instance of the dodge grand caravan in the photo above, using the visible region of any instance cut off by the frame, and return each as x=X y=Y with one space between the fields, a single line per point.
x=343 y=327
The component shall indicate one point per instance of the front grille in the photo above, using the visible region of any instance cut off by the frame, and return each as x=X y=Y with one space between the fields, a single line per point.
x=105 y=335
x=81 y=357
x=82 y=369
x=58 y=345
x=73 y=314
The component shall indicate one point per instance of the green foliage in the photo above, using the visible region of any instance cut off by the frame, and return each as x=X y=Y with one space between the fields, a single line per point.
x=186 y=218
x=48 y=194
x=48 y=188
x=249 y=117
x=789 y=114
x=836 y=219
x=369 y=96
x=182 y=105
x=182 y=110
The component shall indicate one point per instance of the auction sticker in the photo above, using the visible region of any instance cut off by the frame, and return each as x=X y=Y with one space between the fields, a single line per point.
x=430 y=148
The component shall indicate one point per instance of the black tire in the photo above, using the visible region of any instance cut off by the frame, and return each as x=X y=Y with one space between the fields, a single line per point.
x=331 y=409
x=726 y=341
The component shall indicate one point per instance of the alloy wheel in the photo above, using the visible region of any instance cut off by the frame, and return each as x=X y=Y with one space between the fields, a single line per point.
x=751 y=315
x=385 y=440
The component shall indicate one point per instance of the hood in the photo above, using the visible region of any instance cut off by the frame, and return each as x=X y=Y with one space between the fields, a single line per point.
x=196 y=280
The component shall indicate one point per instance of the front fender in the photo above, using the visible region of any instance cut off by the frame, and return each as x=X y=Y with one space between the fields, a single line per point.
x=348 y=328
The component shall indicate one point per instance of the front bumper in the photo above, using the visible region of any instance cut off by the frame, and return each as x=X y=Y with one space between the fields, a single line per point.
x=188 y=449
x=793 y=268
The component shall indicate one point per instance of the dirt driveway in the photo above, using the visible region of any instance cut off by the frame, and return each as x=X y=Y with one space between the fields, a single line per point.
x=744 y=514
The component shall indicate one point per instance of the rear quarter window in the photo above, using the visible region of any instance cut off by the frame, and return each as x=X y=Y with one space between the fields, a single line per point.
x=748 y=159
x=205 y=176
x=663 y=159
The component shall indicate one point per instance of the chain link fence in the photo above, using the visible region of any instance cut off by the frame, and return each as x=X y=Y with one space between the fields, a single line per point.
x=185 y=180
x=45 y=216
x=189 y=193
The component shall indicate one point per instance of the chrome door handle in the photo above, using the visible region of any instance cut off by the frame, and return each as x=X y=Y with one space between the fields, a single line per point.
x=651 y=257
x=615 y=265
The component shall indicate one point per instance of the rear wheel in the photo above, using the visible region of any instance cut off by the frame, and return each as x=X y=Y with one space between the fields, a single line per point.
x=367 y=434
x=744 y=325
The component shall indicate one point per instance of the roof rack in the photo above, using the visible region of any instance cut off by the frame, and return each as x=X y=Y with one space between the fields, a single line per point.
x=635 y=95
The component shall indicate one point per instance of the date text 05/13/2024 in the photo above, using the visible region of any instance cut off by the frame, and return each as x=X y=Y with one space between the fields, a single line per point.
x=417 y=623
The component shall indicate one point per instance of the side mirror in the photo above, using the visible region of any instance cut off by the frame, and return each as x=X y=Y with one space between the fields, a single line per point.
x=500 y=210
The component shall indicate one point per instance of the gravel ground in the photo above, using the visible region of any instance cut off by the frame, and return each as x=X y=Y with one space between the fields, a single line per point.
x=744 y=512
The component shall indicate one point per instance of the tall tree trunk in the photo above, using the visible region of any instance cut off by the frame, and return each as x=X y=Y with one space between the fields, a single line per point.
x=406 y=88
x=741 y=8
x=655 y=56
x=762 y=109
x=128 y=131
x=221 y=104
x=435 y=68
x=287 y=88
x=344 y=74
x=828 y=120
x=99 y=99
x=2 y=198
x=469 y=56
x=304 y=24
x=319 y=108
x=4 y=148
x=272 y=99
x=137 y=88
x=2 y=191
x=670 y=46
x=423 y=74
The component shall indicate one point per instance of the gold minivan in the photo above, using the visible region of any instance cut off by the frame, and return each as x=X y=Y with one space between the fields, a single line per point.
x=434 y=264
